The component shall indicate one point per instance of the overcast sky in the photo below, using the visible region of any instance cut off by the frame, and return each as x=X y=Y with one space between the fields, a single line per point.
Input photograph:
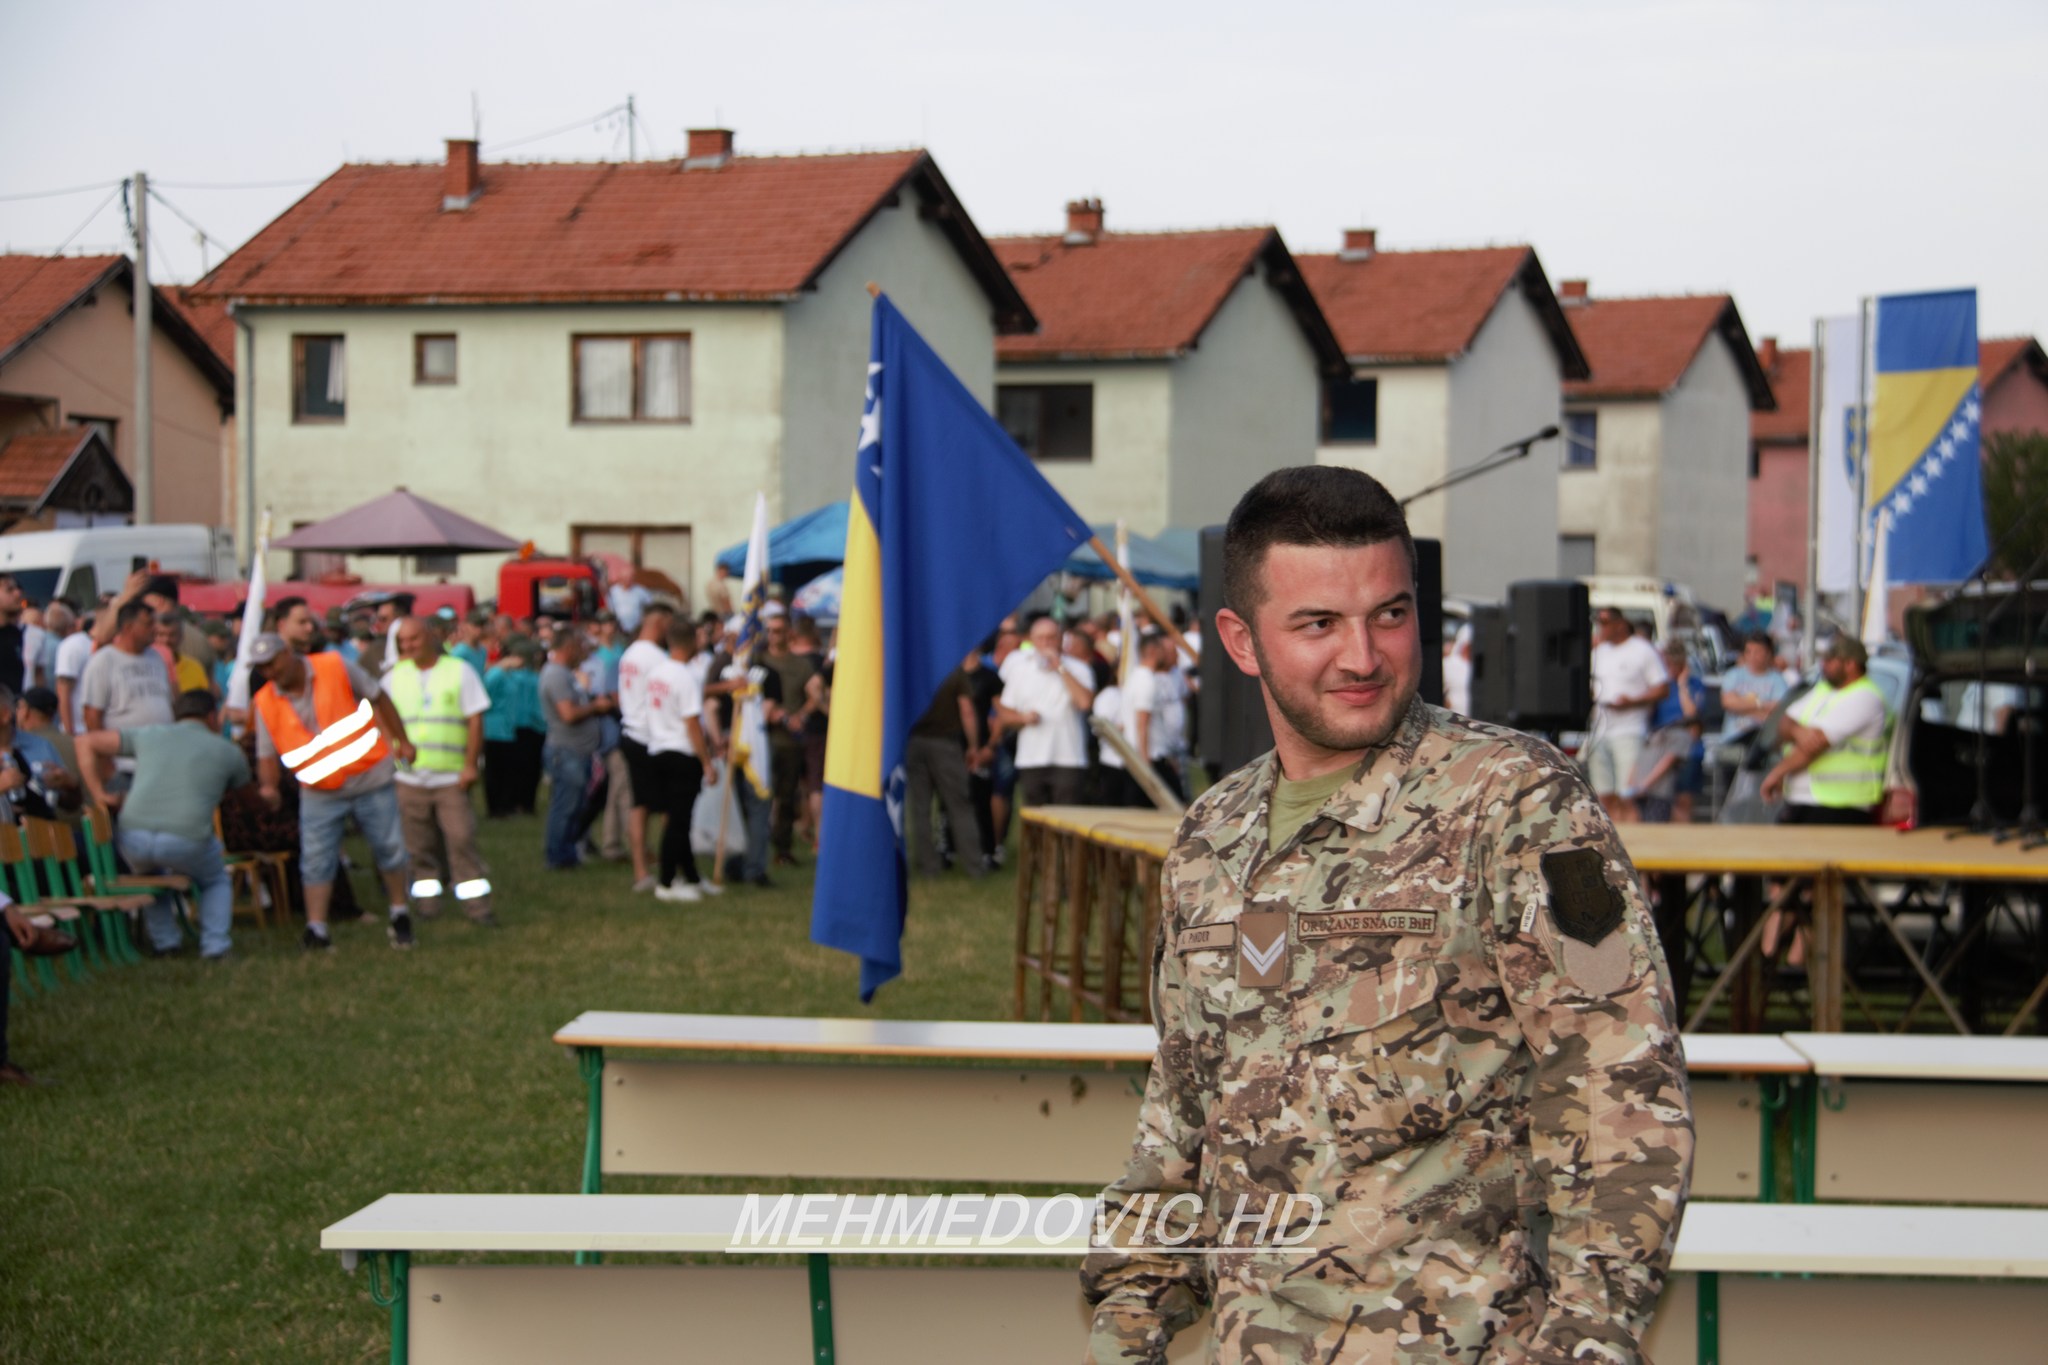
x=1797 y=154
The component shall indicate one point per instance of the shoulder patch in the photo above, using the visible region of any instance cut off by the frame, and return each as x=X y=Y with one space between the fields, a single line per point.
x=1582 y=903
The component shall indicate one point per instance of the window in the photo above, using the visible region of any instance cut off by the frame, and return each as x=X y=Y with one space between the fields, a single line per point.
x=1049 y=421
x=319 y=379
x=1581 y=440
x=632 y=378
x=658 y=552
x=1575 y=558
x=433 y=358
x=1756 y=460
x=1351 y=411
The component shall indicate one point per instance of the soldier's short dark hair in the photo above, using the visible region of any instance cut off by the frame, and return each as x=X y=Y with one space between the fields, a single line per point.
x=194 y=704
x=1305 y=505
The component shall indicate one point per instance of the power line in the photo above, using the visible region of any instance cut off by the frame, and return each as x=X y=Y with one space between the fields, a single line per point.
x=186 y=219
x=119 y=186
x=53 y=194
x=245 y=185
x=556 y=132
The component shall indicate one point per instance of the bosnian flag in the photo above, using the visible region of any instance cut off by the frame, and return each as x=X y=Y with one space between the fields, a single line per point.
x=1924 y=475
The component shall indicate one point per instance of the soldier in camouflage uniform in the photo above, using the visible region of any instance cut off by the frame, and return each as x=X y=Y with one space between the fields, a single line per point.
x=1437 y=1005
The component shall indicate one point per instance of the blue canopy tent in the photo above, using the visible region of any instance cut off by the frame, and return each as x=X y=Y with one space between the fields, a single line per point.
x=1155 y=563
x=800 y=549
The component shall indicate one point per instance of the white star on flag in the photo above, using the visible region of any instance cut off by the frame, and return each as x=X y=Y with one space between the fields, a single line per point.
x=871 y=419
x=1918 y=484
x=1971 y=409
x=1903 y=503
x=1947 y=446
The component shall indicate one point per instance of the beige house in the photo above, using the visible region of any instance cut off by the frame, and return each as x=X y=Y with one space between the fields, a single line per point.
x=67 y=361
x=1451 y=356
x=599 y=356
x=1170 y=370
x=1656 y=467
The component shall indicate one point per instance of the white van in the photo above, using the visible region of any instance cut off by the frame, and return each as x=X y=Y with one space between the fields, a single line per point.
x=80 y=565
x=1669 y=609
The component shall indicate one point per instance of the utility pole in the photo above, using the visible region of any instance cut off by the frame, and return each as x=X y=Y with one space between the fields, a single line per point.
x=145 y=473
x=632 y=133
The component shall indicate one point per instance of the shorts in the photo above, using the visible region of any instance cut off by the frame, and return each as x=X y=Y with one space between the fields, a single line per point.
x=1004 y=779
x=322 y=816
x=1653 y=810
x=1610 y=760
x=639 y=772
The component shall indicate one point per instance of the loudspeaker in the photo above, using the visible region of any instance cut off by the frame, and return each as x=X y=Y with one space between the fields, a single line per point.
x=1550 y=648
x=1491 y=664
x=1234 y=729
x=1429 y=616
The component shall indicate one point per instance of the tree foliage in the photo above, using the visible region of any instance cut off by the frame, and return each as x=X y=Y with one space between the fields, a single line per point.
x=2016 y=501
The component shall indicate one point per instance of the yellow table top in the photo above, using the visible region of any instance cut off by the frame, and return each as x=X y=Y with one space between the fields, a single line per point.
x=1757 y=850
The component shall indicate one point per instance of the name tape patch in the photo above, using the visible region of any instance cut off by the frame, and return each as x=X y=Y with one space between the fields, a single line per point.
x=1205 y=936
x=1332 y=923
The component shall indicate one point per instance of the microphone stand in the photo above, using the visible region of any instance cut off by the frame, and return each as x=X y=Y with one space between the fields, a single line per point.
x=1506 y=455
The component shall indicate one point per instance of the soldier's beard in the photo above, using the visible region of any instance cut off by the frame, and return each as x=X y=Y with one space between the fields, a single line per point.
x=1353 y=729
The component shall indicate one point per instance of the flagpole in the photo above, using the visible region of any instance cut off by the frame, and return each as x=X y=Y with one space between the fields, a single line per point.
x=1864 y=340
x=1816 y=415
x=724 y=820
x=1152 y=610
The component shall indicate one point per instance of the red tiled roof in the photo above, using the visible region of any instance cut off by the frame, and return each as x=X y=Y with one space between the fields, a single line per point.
x=34 y=289
x=753 y=228
x=1412 y=305
x=30 y=464
x=1997 y=355
x=207 y=317
x=1123 y=293
x=1640 y=348
x=1789 y=378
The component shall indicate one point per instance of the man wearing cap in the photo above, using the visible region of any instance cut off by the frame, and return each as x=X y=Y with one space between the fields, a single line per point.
x=442 y=702
x=329 y=724
x=1832 y=771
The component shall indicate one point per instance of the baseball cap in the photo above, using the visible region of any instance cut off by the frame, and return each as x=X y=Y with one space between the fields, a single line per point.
x=772 y=610
x=267 y=647
x=446 y=613
x=1850 y=649
x=41 y=699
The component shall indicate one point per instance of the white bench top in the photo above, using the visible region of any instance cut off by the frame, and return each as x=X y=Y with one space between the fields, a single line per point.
x=1808 y=1239
x=959 y=1039
x=1708 y=1053
x=1924 y=1057
x=964 y=1040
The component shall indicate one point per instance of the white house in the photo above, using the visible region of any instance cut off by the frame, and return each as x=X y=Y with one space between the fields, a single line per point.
x=1451 y=355
x=1170 y=370
x=594 y=356
x=1656 y=466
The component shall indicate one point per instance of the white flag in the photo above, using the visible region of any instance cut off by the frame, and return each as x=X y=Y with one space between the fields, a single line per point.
x=252 y=621
x=750 y=730
x=1839 y=368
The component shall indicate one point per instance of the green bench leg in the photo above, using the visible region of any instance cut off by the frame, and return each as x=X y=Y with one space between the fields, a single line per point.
x=392 y=1291
x=1773 y=1098
x=1708 y=1291
x=590 y=1063
x=822 y=1350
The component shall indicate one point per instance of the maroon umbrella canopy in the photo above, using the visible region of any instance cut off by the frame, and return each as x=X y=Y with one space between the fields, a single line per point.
x=399 y=523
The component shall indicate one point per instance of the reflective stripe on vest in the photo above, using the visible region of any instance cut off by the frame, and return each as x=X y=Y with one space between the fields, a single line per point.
x=349 y=741
x=1849 y=776
x=430 y=704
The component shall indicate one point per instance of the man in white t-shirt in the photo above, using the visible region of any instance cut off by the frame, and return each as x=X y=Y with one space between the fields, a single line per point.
x=1044 y=700
x=74 y=651
x=1151 y=694
x=648 y=652
x=1629 y=680
x=676 y=754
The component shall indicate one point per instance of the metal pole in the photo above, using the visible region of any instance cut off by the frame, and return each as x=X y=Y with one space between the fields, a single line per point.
x=1816 y=415
x=1863 y=341
x=145 y=473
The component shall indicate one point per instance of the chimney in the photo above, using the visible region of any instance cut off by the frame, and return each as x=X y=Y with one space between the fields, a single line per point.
x=462 y=182
x=1359 y=244
x=1767 y=355
x=1084 y=221
x=709 y=149
x=1571 y=293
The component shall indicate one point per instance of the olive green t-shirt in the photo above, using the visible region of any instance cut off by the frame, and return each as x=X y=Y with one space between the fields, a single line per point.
x=1294 y=804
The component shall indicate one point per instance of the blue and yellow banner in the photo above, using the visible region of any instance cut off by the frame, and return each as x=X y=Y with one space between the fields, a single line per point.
x=950 y=526
x=1924 y=476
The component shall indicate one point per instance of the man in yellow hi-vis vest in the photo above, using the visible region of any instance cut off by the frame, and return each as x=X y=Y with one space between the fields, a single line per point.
x=442 y=702
x=1832 y=771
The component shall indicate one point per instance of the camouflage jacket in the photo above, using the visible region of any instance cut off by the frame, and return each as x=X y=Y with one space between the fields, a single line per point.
x=1471 y=1019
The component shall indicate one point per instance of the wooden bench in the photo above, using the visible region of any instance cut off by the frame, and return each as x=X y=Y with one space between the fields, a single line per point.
x=948 y=1100
x=1922 y=1118
x=1756 y=1283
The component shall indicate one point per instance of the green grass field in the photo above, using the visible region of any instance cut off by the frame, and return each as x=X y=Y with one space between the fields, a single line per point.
x=163 y=1200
